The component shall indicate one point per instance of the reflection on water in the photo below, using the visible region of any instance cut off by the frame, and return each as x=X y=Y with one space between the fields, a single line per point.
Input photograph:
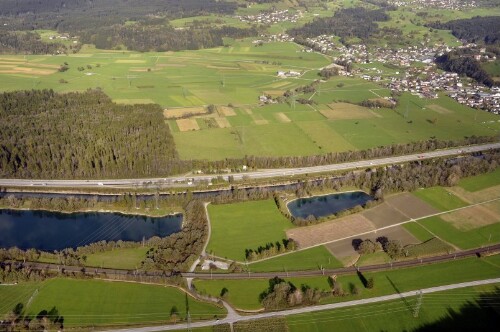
x=325 y=205
x=49 y=231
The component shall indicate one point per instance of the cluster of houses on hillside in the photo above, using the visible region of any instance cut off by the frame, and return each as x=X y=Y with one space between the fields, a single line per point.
x=272 y=17
x=425 y=82
x=442 y=4
x=479 y=97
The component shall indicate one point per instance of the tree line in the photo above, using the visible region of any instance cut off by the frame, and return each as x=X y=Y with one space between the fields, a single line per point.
x=478 y=29
x=27 y=43
x=143 y=37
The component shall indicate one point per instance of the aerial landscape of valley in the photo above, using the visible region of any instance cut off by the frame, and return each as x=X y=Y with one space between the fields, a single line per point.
x=249 y=165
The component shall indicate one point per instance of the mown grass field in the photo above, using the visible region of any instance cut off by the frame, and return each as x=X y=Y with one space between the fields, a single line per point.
x=380 y=316
x=129 y=258
x=247 y=225
x=95 y=302
x=481 y=182
x=473 y=238
x=244 y=294
x=309 y=259
x=440 y=198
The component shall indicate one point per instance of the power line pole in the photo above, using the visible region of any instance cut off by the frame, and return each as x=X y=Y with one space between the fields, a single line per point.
x=188 y=315
x=418 y=305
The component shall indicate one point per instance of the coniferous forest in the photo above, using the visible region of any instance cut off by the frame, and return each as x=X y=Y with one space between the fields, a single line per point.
x=81 y=135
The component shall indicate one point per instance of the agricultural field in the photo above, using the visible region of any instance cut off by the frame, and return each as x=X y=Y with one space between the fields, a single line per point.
x=97 y=303
x=235 y=74
x=440 y=198
x=480 y=182
x=232 y=78
x=128 y=258
x=247 y=225
x=244 y=294
x=310 y=259
x=434 y=314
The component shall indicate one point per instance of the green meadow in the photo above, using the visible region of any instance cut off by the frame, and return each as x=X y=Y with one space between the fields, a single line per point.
x=309 y=259
x=442 y=309
x=244 y=294
x=127 y=258
x=247 y=225
x=96 y=302
x=440 y=198
x=237 y=75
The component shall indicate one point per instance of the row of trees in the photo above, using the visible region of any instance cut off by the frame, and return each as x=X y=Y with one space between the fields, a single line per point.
x=282 y=294
x=18 y=319
x=393 y=248
x=270 y=249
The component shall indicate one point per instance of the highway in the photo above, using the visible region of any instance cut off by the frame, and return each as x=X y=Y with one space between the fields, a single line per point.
x=261 y=174
x=321 y=307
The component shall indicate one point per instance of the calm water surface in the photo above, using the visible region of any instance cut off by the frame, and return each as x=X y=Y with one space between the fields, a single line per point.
x=321 y=206
x=55 y=231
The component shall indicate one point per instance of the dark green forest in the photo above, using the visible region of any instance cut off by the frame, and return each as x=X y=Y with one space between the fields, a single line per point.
x=345 y=23
x=462 y=62
x=81 y=135
x=475 y=30
x=107 y=24
x=27 y=43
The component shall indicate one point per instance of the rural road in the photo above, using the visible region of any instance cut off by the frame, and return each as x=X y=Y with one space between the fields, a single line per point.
x=313 y=308
x=261 y=174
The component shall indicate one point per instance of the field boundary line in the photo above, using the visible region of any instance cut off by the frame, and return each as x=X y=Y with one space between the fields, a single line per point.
x=376 y=230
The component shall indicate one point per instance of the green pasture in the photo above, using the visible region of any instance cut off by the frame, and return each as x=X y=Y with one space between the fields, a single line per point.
x=263 y=132
x=95 y=302
x=448 y=310
x=127 y=258
x=309 y=259
x=248 y=225
x=418 y=231
x=481 y=182
x=234 y=74
x=440 y=198
x=493 y=68
x=474 y=238
x=244 y=294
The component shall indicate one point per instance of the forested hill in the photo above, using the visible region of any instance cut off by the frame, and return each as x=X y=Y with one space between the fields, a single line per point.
x=477 y=29
x=178 y=8
x=81 y=135
x=346 y=23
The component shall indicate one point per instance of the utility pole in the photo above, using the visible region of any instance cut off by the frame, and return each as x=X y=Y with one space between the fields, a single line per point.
x=407 y=108
x=188 y=315
x=418 y=305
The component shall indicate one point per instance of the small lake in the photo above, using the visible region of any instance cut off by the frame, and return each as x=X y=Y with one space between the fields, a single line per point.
x=50 y=231
x=321 y=206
